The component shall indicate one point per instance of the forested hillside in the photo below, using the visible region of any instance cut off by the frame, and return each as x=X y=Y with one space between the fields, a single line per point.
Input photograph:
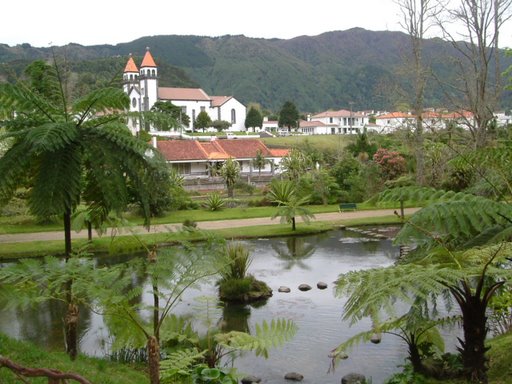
x=327 y=71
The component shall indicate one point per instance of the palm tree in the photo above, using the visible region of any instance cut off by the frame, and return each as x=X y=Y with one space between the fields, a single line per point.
x=259 y=162
x=283 y=193
x=230 y=172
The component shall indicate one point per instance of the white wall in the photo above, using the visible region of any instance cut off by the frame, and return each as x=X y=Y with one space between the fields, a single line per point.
x=225 y=114
x=191 y=106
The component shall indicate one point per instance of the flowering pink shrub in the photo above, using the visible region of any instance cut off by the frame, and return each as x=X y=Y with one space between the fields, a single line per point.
x=391 y=163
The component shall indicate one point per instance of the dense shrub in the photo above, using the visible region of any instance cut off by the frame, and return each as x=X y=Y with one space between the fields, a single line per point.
x=391 y=163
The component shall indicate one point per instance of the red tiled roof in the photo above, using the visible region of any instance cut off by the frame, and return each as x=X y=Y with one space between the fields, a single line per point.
x=340 y=113
x=396 y=115
x=166 y=93
x=243 y=148
x=458 y=115
x=279 y=152
x=217 y=101
x=213 y=151
x=131 y=66
x=306 y=124
x=148 y=61
x=175 y=150
x=431 y=115
x=183 y=150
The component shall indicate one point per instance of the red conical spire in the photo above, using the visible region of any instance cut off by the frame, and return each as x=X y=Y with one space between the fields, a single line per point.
x=148 y=60
x=130 y=65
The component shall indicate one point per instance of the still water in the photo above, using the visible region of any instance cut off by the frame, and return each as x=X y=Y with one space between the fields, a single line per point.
x=317 y=313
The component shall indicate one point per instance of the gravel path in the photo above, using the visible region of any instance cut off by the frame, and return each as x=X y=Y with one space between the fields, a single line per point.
x=159 y=228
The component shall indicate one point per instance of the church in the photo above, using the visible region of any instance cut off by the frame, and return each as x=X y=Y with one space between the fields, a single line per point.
x=141 y=85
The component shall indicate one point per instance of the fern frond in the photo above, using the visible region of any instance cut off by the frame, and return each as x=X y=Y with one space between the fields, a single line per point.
x=13 y=168
x=51 y=136
x=374 y=290
x=454 y=223
x=23 y=100
x=266 y=336
x=101 y=100
x=57 y=184
x=179 y=363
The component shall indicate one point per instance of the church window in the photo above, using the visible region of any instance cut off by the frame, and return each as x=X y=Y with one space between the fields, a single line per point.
x=153 y=72
x=203 y=109
x=134 y=102
x=233 y=116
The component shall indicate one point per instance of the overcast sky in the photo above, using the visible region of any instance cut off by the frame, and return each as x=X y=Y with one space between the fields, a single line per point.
x=59 y=22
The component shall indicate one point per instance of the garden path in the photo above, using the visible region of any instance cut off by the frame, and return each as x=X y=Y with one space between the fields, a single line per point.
x=220 y=224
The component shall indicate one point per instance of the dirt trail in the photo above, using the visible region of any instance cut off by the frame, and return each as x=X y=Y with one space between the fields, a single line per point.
x=159 y=228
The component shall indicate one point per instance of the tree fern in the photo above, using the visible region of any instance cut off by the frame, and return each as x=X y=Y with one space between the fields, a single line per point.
x=457 y=223
x=54 y=142
x=374 y=290
x=416 y=195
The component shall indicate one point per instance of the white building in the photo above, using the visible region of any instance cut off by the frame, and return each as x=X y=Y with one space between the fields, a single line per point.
x=142 y=88
x=339 y=122
x=392 y=121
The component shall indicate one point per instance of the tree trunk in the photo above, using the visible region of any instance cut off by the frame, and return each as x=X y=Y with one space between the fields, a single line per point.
x=473 y=347
x=293 y=224
x=419 y=152
x=89 y=231
x=153 y=349
x=156 y=312
x=67 y=233
x=71 y=330
x=414 y=356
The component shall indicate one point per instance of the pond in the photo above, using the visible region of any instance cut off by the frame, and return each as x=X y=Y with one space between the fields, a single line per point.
x=317 y=313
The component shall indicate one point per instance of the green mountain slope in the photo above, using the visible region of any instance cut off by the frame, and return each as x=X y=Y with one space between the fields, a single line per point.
x=327 y=71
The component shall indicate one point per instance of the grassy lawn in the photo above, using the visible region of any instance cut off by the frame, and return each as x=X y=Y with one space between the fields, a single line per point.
x=27 y=224
x=320 y=142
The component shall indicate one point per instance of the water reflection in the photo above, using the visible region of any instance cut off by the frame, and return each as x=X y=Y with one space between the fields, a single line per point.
x=294 y=251
x=281 y=261
x=235 y=317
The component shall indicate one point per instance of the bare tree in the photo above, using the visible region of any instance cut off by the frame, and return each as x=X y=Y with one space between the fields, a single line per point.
x=476 y=41
x=417 y=16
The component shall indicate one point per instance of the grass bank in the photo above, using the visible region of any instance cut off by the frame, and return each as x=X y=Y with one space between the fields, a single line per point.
x=130 y=243
x=94 y=369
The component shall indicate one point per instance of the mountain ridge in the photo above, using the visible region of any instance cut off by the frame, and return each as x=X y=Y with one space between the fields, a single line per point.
x=328 y=71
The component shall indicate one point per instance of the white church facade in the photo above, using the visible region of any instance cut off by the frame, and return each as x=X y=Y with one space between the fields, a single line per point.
x=141 y=86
